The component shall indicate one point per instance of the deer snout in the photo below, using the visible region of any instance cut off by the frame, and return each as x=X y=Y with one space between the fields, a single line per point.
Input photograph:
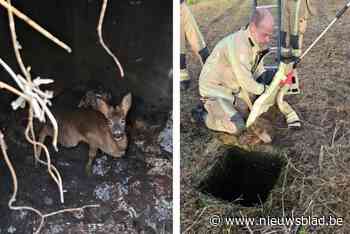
x=118 y=135
x=118 y=131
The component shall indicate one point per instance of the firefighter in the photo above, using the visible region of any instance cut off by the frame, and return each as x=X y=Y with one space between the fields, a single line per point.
x=234 y=75
x=295 y=14
x=190 y=33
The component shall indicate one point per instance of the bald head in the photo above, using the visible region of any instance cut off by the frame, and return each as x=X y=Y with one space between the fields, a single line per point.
x=261 y=15
x=261 y=25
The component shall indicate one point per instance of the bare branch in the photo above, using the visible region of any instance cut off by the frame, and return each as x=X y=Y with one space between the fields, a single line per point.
x=99 y=32
x=36 y=26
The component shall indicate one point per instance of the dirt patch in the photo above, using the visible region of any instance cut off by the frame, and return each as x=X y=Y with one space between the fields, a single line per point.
x=318 y=152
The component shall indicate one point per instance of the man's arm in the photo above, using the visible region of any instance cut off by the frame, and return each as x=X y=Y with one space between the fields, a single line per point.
x=238 y=58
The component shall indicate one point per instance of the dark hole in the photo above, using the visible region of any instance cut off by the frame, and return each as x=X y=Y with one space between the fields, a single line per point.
x=247 y=177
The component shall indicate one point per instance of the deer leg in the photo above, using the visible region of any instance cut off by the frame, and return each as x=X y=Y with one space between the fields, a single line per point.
x=92 y=155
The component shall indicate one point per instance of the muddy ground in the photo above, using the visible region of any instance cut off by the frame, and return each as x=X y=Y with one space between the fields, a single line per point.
x=315 y=181
x=134 y=192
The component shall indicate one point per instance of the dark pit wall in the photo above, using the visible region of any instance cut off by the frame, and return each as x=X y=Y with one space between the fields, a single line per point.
x=138 y=32
x=241 y=176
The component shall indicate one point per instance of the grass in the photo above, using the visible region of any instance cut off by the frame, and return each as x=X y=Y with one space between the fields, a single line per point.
x=316 y=180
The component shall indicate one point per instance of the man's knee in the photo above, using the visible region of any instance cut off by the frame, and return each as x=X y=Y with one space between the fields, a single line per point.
x=235 y=125
x=220 y=118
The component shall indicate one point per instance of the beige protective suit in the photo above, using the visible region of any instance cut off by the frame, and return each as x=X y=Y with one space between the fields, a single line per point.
x=228 y=83
x=274 y=95
x=190 y=32
x=295 y=14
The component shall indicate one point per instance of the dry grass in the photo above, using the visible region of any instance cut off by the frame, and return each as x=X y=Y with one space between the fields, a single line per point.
x=317 y=179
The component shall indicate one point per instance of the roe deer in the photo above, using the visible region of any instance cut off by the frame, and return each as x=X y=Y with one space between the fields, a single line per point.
x=102 y=129
x=258 y=133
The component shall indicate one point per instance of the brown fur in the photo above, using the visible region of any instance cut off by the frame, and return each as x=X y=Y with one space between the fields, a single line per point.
x=92 y=127
x=90 y=99
x=258 y=133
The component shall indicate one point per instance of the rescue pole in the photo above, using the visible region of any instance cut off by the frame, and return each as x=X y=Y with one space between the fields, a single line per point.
x=337 y=17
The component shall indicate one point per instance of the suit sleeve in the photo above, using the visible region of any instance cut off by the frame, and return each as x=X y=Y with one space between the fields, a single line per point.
x=260 y=70
x=239 y=61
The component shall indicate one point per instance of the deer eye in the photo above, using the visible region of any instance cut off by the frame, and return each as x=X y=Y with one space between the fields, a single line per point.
x=122 y=121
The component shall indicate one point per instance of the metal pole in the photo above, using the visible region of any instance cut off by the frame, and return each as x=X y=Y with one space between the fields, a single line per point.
x=279 y=15
x=338 y=15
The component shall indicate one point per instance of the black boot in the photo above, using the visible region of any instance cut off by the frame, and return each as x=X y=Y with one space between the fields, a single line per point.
x=198 y=114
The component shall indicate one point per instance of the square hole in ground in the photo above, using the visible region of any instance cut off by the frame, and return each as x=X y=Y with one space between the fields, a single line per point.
x=247 y=177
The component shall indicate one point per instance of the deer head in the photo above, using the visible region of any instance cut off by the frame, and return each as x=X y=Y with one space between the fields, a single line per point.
x=116 y=116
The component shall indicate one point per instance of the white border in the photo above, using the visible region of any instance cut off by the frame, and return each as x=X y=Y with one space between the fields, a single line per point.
x=176 y=117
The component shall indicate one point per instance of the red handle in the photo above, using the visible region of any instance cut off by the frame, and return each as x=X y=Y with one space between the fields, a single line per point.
x=288 y=80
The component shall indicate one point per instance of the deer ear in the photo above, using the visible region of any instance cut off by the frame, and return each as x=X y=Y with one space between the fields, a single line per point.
x=126 y=104
x=103 y=107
